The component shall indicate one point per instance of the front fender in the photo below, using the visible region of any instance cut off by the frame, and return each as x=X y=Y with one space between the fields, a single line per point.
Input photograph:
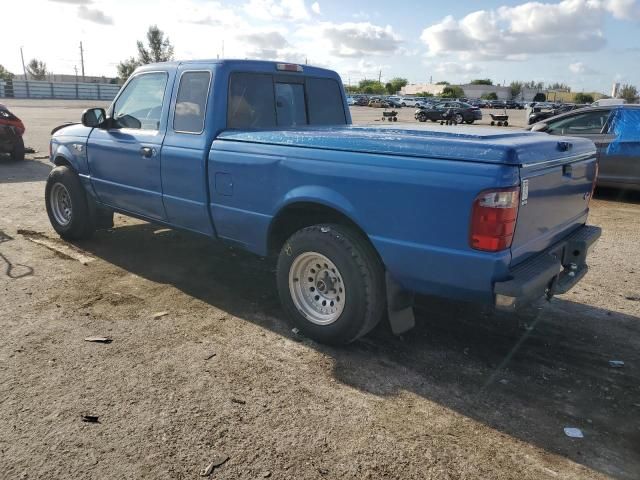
x=72 y=153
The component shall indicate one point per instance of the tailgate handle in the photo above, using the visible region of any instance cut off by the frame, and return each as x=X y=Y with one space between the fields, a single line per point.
x=567 y=170
x=564 y=146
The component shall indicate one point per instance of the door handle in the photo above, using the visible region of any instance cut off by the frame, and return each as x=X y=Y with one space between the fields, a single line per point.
x=147 y=152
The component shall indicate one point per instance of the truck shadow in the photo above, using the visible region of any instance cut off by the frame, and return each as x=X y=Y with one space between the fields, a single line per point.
x=25 y=171
x=527 y=375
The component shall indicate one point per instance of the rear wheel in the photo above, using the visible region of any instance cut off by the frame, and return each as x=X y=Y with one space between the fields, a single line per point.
x=17 y=153
x=469 y=122
x=331 y=283
x=67 y=205
x=458 y=118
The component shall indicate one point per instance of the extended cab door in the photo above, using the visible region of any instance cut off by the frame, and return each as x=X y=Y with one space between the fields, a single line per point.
x=124 y=159
x=186 y=149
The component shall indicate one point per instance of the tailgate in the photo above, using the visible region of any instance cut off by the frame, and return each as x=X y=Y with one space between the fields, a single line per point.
x=554 y=200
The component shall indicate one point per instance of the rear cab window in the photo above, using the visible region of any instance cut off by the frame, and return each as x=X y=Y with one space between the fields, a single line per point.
x=191 y=102
x=261 y=101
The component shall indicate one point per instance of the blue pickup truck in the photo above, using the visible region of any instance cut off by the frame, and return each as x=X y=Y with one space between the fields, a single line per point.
x=263 y=155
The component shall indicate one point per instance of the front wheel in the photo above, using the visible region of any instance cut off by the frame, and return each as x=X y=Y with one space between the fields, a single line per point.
x=67 y=205
x=331 y=283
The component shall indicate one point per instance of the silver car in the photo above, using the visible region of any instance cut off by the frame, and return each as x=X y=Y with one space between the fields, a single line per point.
x=616 y=132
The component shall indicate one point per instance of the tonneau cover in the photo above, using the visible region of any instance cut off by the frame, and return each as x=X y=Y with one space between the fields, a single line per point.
x=463 y=143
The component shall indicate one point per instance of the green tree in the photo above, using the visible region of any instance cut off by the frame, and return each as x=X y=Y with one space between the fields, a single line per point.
x=423 y=94
x=443 y=82
x=37 y=69
x=158 y=49
x=481 y=81
x=395 y=84
x=559 y=86
x=489 y=96
x=583 y=98
x=540 y=97
x=371 y=86
x=452 y=91
x=5 y=74
x=126 y=68
x=629 y=93
x=516 y=89
x=534 y=85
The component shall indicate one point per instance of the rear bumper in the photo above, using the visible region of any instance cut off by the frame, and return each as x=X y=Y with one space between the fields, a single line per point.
x=556 y=270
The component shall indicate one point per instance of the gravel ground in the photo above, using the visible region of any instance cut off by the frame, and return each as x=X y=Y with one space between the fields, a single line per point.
x=467 y=394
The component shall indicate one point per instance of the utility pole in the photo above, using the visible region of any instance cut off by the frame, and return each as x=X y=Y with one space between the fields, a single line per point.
x=380 y=77
x=82 y=60
x=24 y=70
x=75 y=68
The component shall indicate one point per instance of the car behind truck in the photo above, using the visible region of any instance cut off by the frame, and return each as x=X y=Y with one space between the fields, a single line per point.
x=263 y=155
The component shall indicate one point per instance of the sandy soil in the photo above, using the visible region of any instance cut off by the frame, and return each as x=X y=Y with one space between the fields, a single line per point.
x=467 y=394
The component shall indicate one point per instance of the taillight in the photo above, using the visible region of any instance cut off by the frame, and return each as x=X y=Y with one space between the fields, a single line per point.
x=493 y=219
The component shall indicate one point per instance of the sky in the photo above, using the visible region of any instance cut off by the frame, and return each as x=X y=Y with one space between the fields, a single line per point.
x=588 y=44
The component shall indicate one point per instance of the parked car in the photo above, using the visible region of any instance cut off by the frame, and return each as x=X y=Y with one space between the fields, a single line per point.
x=615 y=129
x=538 y=114
x=417 y=102
x=497 y=104
x=393 y=102
x=11 y=132
x=463 y=112
x=283 y=171
x=378 y=102
x=351 y=101
x=479 y=103
x=362 y=101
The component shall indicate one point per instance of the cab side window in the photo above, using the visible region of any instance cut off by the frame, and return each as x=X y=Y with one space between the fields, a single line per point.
x=140 y=104
x=191 y=102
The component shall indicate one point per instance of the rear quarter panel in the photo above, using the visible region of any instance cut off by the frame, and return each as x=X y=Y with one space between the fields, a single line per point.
x=415 y=211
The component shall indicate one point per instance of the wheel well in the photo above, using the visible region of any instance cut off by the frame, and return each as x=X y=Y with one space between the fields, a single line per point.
x=61 y=161
x=299 y=215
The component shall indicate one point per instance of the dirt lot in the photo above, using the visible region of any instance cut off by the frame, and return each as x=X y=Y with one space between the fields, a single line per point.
x=466 y=395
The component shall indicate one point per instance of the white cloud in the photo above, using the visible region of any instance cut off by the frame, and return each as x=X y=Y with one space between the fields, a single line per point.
x=580 y=68
x=357 y=39
x=514 y=32
x=453 y=68
x=315 y=8
x=94 y=15
x=268 y=10
x=623 y=9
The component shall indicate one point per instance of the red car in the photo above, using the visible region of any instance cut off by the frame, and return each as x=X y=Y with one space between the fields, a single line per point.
x=11 y=131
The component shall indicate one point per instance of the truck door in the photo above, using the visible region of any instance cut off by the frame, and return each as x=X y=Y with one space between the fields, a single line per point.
x=124 y=160
x=185 y=151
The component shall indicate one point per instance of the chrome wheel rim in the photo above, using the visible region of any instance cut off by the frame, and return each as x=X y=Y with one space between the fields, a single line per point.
x=317 y=288
x=60 y=202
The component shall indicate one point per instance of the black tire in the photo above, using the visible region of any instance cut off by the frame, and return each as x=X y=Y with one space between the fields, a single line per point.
x=505 y=123
x=469 y=122
x=81 y=224
x=362 y=275
x=17 y=154
x=458 y=118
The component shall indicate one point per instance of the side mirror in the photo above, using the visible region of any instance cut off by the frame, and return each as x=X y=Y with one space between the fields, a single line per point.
x=539 y=127
x=93 y=117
